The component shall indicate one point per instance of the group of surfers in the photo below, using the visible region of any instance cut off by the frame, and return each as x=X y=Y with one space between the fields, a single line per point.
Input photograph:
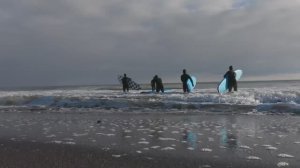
x=157 y=84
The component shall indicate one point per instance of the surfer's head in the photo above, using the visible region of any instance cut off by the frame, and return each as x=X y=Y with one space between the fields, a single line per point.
x=230 y=68
x=125 y=74
x=184 y=71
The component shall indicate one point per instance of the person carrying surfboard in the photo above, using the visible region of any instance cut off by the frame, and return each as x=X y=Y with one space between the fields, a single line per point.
x=230 y=75
x=156 y=83
x=125 y=82
x=184 y=79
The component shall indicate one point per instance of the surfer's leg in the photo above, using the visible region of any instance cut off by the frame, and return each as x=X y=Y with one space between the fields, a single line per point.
x=235 y=86
x=230 y=87
x=184 y=87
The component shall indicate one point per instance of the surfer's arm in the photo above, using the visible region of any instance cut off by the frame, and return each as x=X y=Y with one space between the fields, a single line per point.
x=225 y=74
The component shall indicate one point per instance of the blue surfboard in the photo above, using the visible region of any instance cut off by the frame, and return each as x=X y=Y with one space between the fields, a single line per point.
x=223 y=87
x=189 y=83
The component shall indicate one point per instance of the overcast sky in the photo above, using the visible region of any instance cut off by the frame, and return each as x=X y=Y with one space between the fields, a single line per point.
x=71 y=42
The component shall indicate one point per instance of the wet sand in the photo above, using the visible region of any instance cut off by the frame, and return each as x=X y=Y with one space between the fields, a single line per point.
x=37 y=155
x=148 y=140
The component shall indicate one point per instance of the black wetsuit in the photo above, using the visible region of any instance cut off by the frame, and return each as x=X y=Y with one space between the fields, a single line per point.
x=125 y=82
x=157 y=83
x=184 y=79
x=153 y=84
x=230 y=75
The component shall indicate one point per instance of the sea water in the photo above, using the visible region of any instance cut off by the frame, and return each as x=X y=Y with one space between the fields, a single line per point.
x=252 y=97
x=258 y=125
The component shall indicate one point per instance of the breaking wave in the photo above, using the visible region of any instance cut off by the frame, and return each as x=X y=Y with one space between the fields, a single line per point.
x=207 y=100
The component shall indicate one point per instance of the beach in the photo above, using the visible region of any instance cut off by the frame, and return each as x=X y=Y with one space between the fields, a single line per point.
x=100 y=126
x=99 y=139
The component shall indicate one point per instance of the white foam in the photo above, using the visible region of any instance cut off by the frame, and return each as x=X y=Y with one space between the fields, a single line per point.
x=167 y=148
x=112 y=99
x=105 y=134
x=282 y=164
x=51 y=136
x=116 y=156
x=271 y=148
x=79 y=134
x=245 y=147
x=69 y=143
x=206 y=150
x=166 y=139
x=155 y=147
x=191 y=148
x=57 y=142
x=282 y=136
x=283 y=155
x=143 y=142
x=175 y=132
x=253 y=158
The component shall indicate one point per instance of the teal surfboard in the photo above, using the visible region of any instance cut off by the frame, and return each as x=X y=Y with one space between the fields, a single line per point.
x=223 y=87
x=189 y=83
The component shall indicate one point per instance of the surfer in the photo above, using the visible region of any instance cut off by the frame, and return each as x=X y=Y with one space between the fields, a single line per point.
x=156 y=84
x=230 y=75
x=125 y=82
x=184 y=79
x=153 y=84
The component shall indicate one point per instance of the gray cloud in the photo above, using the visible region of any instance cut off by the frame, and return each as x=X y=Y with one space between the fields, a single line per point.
x=91 y=42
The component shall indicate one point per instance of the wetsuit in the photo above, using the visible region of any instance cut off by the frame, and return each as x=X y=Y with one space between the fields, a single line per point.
x=125 y=82
x=230 y=75
x=157 y=84
x=153 y=84
x=184 y=79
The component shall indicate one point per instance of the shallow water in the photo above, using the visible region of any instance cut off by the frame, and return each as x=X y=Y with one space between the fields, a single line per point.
x=258 y=124
x=266 y=97
x=265 y=139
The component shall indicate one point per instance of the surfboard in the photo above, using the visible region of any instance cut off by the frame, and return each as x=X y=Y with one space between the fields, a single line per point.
x=189 y=83
x=223 y=87
x=132 y=85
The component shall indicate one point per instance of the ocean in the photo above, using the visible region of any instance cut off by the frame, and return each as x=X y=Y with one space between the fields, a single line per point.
x=100 y=126
x=252 y=97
